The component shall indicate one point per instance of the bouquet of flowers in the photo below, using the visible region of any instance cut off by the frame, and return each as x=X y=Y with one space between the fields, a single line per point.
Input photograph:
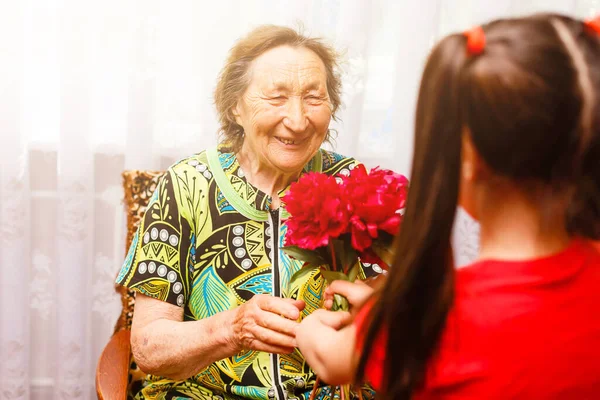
x=336 y=223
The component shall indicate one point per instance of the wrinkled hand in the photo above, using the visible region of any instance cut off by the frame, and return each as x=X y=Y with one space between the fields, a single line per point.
x=357 y=293
x=266 y=323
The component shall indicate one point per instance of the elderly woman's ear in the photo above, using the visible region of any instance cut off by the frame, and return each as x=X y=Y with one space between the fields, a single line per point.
x=236 y=113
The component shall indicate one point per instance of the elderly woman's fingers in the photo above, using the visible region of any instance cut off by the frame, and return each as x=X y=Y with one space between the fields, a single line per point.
x=266 y=319
x=277 y=323
x=299 y=304
x=279 y=306
x=273 y=338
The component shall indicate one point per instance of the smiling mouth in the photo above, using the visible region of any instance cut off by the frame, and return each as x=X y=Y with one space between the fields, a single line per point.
x=288 y=141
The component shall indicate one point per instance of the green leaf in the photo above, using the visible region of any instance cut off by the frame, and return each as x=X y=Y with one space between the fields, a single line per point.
x=349 y=257
x=338 y=247
x=340 y=303
x=308 y=256
x=331 y=276
x=386 y=253
x=353 y=273
x=325 y=254
x=305 y=270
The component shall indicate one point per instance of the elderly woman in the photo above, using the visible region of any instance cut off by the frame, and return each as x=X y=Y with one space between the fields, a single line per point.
x=215 y=313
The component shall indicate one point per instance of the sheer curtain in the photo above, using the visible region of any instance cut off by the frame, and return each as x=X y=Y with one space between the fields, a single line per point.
x=89 y=88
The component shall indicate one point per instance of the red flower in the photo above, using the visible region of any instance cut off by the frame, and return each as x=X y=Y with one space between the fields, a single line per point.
x=319 y=212
x=375 y=200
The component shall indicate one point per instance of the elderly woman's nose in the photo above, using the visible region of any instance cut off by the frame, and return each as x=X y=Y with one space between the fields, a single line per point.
x=295 y=118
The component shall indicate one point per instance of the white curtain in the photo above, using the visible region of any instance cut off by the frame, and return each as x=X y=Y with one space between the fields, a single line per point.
x=89 y=88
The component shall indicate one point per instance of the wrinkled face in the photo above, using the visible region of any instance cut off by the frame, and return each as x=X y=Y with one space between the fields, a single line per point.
x=285 y=111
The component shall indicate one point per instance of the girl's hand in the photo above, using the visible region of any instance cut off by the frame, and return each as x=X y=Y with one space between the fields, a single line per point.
x=357 y=293
x=327 y=342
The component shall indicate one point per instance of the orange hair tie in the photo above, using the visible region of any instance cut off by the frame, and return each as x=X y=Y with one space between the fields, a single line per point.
x=593 y=24
x=475 y=40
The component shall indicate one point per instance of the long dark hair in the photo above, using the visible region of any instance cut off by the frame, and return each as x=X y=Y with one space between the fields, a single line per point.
x=530 y=104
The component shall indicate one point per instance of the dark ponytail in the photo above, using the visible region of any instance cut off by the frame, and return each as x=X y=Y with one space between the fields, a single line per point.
x=418 y=294
x=583 y=216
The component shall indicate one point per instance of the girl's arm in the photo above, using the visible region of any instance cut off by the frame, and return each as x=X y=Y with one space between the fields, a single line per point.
x=328 y=342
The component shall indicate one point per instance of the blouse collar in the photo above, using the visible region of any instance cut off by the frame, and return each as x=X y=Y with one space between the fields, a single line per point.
x=241 y=194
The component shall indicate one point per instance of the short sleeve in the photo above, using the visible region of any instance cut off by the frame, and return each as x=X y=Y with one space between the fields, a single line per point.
x=158 y=258
x=376 y=362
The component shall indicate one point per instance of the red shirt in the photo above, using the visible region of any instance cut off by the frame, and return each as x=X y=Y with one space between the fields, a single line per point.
x=517 y=330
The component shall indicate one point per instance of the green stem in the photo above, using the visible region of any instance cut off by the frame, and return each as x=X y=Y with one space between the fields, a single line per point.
x=333 y=261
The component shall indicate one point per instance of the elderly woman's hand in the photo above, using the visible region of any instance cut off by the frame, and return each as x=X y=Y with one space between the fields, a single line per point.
x=267 y=323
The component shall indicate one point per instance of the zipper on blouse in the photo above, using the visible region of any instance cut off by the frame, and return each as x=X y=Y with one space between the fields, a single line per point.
x=274 y=222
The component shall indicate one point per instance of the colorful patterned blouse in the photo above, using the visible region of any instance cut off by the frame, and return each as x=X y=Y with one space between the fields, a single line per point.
x=209 y=242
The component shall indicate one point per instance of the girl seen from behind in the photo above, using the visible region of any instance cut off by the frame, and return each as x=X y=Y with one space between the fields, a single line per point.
x=508 y=126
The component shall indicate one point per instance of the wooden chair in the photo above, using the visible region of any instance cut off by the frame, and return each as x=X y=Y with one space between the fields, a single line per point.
x=117 y=375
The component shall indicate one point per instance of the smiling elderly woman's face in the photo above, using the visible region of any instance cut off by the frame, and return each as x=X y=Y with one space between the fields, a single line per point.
x=285 y=110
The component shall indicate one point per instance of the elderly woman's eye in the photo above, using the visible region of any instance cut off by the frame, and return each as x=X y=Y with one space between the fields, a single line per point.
x=314 y=99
